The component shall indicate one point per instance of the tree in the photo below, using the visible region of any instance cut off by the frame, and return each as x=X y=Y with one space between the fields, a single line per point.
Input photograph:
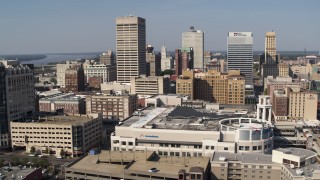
x=46 y=151
x=53 y=80
x=35 y=162
x=43 y=163
x=1 y=162
x=15 y=161
x=62 y=153
x=265 y=92
x=24 y=161
x=32 y=150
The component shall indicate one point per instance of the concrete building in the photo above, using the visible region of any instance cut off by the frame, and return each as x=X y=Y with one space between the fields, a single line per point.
x=283 y=164
x=61 y=72
x=183 y=131
x=195 y=39
x=153 y=62
x=270 y=50
x=68 y=103
x=213 y=86
x=240 y=54
x=74 y=134
x=131 y=47
x=280 y=105
x=166 y=59
x=138 y=165
x=164 y=100
x=107 y=58
x=115 y=87
x=107 y=73
x=111 y=106
x=302 y=105
x=17 y=96
x=75 y=79
x=184 y=58
x=149 y=86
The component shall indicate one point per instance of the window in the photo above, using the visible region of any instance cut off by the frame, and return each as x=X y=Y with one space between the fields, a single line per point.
x=130 y=143
x=254 y=148
x=246 y=148
x=241 y=148
x=225 y=148
x=123 y=143
x=212 y=147
x=207 y=147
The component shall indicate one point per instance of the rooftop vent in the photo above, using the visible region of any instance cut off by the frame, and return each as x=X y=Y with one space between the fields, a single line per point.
x=221 y=158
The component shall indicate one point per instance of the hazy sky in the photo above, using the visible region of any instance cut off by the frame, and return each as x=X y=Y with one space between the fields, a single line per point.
x=53 y=26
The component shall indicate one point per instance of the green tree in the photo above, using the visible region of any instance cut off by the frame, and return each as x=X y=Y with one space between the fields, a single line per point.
x=53 y=80
x=35 y=162
x=43 y=163
x=1 y=162
x=62 y=153
x=265 y=92
x=32 y=150
x=24 y=161
x=15 y=161
x=46 y=151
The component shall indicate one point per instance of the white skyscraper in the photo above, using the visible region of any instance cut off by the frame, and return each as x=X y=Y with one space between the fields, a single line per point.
x=240 y=54
x=131 y=47
x=195 y=39
x=166 y=60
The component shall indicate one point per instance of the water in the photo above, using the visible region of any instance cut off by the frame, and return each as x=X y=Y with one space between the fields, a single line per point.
x=55 y=58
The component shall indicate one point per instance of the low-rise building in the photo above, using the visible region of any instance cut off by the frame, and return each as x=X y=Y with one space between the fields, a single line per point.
x=287 y=163
x=138 y=165
x=68 y=103
x=107 y=73
x=74 y=79
x=74 y=134
x=149 y=86
x=115 y=87
x=116 y=107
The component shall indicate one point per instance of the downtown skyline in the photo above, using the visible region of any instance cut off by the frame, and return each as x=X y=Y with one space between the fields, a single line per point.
x=83 y=26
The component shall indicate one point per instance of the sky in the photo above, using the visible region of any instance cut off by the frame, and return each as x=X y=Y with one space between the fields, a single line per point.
x=69 y=26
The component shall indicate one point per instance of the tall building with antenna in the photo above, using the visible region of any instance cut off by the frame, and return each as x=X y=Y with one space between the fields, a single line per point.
x=131 y=47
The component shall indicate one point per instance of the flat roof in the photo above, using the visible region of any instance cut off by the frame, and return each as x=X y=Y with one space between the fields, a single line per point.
x=60 y=119
x=61 y=97
x=180 y=118
x=297 y=152
x=140 y=161
x=257 y=158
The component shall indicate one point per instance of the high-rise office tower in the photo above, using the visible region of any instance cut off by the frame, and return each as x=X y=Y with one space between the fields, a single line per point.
x=270 y=48
x=17 y=96
x=131 y=47
x=240 y=54
x=153 y=62
x=183 y=59
x=195 y=39
x=166 y=59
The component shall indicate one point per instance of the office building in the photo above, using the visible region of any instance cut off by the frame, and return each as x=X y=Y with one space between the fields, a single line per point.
x=115 y=87
x=137 y=166
x=74 y=134
x=195 y=39
x=149 y=86
x=61 y=72
x=240 y=54
x=303 y=105
x=131 y=47
x=17 y=96
x=67 y=103
x=107 y=58
x=166 y=59
x=283 y=164
x=106 y=73
x=280 y=105
x=111 y=106
x=270 y=51
x=153 y=61
x=184 y=131
x=75 y=79
x=183 y=60
x=213 y=86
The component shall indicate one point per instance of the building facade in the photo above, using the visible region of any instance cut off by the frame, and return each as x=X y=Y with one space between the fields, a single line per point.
x=195 y=39
x=153 y=61
x=68 y=103
x=112 y=107
x=131 y=44
x=302 y=105
x=107 y=58
x=183 y=60
x=74 y=134
x=166 y=59
x=240 y=54
x=61 y=72
x=17 y=96
x=75 y=79
x=149 y=86
x=107 y=73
